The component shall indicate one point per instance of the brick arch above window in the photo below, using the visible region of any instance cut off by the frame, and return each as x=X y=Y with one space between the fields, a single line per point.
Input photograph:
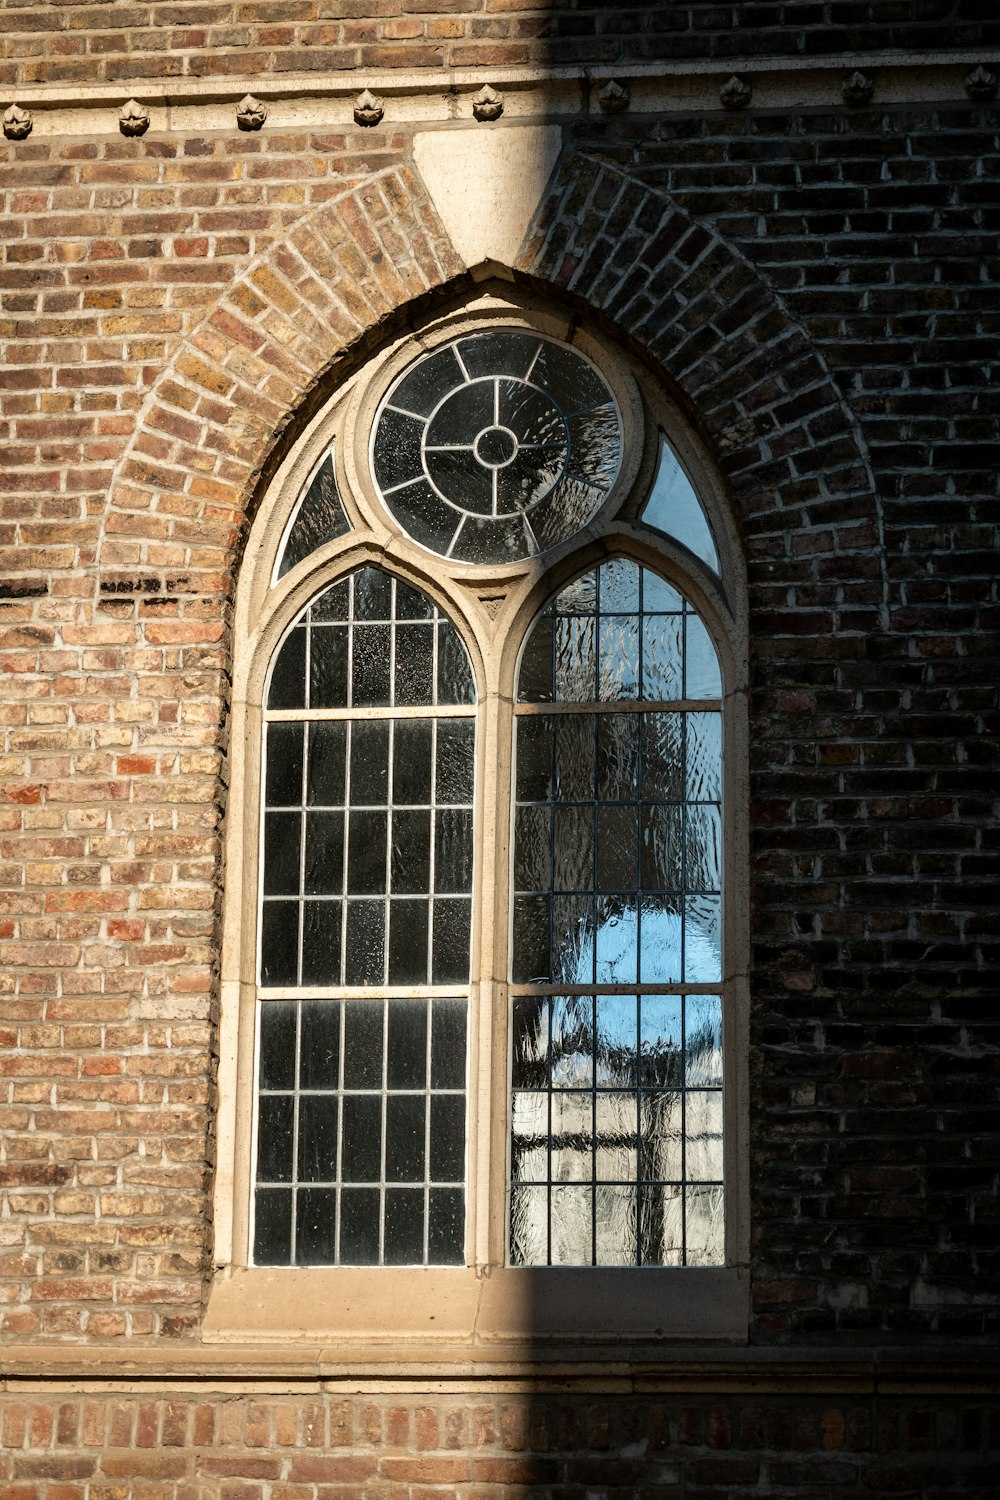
x=353 y=268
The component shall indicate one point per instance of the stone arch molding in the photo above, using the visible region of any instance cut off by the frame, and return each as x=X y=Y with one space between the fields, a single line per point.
x=761 y=391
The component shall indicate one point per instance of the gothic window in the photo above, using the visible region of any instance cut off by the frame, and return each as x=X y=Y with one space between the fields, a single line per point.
x=486 y=952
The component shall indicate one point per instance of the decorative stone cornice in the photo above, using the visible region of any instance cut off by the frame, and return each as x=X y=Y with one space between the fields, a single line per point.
x=323 y=101
x=922 y=1371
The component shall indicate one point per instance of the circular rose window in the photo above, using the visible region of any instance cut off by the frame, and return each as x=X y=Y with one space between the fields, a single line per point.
x=497 y=446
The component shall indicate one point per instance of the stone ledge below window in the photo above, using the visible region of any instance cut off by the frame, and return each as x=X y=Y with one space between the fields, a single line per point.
x=458 y=1315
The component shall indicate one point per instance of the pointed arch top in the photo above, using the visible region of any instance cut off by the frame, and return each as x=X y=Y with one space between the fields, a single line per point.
x=181 y=491
x=699 y=310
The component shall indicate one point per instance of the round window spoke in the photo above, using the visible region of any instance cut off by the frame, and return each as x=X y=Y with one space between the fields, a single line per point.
x=501 y=448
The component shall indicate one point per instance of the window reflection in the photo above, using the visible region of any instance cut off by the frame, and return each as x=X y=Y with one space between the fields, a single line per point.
x=616 y=1136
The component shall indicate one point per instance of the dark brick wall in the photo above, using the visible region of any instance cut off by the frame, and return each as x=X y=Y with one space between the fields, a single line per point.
x=874 y=758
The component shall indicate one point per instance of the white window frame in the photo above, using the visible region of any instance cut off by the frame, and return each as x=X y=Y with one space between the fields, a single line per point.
x=485 y=1310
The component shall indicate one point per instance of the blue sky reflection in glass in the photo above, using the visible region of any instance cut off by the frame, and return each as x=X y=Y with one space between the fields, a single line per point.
x=674 y=509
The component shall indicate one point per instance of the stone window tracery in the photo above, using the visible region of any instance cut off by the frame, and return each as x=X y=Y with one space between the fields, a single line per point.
x=493 y=1011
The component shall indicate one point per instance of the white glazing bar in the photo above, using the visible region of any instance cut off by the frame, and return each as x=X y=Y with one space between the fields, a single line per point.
x=341 y=1038
x=621 y=706
x=711 y=988
x=319 y=715
x=295 y=1135
x=391 y=992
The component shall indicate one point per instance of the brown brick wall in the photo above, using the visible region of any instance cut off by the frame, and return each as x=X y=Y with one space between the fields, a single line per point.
x=174 y=1446
x=128 y=42
x=820 y=288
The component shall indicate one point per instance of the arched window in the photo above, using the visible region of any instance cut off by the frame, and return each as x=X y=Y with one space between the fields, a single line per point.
x=366 y=882
x=616 y=1011
x=483 y=1005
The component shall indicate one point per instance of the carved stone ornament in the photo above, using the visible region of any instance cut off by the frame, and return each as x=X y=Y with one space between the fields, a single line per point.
x=16 y=123
x=133 y=118
x=487 y=104
x=368 y=108
x=250 y=113
x=858 y=88
x=614 y=97
x=493 y=603
x=735 y=93
x=981 y=83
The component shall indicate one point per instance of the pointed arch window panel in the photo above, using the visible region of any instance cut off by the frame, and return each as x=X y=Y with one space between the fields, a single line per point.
x=674 y=508
x=616 y=1111
x=365 y=918
x=317 y=518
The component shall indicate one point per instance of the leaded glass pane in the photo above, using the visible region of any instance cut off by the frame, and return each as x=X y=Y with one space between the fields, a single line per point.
x=318 y=518
x=674 y=508
x=360 y=644
x=497 y=447
x=366 y=883
x=361 y=1142
x=604 y=1099
x=616 y=1135
x=334 y=876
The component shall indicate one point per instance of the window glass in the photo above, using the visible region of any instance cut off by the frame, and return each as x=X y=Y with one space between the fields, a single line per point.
x=674 y=508
x=318 y=518
x=616 y=1107
x=366 y=881
x=497 y=446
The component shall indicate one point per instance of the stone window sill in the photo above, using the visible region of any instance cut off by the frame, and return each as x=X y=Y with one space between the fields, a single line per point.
x=459 y=1314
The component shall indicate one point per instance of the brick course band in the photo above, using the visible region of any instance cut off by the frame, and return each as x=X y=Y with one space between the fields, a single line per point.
x=315 y=1445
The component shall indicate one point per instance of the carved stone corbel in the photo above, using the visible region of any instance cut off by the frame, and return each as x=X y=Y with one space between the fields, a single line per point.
x=487 y=104
x=133 y=118
x=250 y=113
x=368 y=108
x=981 y=83
x=857 y=88
x=735 y=93
x=614 y=97
x=17 y=123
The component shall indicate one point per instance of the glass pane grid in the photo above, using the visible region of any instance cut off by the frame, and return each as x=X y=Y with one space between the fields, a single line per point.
x=615 y=880
x=371 y=641
x=367 y=839
x=616 y=1158
x=360 y=1153
x=367 y=852
x=616 y=1130
x=620 y=633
